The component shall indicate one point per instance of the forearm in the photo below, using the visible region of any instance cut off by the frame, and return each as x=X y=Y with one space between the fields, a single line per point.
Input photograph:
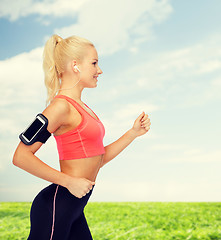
x=113 y=149
x=32 y=164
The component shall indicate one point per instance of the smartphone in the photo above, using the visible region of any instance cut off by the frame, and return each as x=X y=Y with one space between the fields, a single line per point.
x=33 y=129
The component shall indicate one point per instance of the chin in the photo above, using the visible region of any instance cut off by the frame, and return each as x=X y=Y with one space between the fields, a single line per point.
x=92 y=86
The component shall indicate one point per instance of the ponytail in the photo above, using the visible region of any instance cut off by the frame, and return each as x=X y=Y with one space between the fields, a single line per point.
x=52 y=82
x=57 y=52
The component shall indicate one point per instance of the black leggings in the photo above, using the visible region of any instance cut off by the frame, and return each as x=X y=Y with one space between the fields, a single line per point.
x=56 y=214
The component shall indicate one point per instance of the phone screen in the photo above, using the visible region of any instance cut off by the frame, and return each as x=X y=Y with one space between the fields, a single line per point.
x=33 y=129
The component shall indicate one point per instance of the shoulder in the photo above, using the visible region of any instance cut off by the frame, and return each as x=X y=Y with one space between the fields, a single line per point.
x=60 y=105
x=56 y=113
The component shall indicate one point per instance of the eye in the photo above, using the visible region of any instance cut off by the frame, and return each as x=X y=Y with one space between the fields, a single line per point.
x=94 y=63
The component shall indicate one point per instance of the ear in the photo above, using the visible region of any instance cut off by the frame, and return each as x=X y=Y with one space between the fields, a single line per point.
x=74 y=63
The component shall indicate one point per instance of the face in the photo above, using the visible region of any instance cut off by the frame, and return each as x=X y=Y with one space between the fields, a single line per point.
x=89 y=68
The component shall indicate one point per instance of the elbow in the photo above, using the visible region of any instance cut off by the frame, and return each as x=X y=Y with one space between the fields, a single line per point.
x=15 y=159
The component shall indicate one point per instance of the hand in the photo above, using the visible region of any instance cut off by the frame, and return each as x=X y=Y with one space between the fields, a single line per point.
x=141 y=125
x=79 y=187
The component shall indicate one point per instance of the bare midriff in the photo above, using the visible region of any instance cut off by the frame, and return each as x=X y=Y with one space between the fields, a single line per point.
x=84 y=168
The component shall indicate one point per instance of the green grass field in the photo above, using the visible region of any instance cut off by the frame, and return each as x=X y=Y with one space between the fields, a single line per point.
x=129 y=221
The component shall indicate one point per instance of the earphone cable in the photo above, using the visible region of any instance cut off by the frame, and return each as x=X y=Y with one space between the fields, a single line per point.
x=71 y=87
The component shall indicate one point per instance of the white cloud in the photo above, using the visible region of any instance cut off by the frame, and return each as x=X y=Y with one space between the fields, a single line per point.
x=58 y=8
x=118 y=24
x=14 y=10
x=198 y=190
x=23 y=191
x=217 y=82
x=21 y=75
x=198 y=157
x=168 y=147
x=200 y=58
x=174 y=65
x=112 y=26
x=209 y=66
x=157 y=10
x=186 y=153
x=192 y=72
x=23 y=8
x=131 y=110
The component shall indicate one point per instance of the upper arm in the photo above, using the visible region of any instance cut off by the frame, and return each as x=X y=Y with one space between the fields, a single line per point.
x=56 y=113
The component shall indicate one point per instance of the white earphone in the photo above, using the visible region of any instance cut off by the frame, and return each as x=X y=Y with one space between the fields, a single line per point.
x=77 y=68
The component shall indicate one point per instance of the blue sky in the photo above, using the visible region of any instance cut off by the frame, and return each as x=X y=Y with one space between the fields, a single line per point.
x=161 y=57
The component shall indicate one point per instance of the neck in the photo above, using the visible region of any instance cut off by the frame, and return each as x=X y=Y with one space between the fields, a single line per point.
x=72 y=93
x=71 y=87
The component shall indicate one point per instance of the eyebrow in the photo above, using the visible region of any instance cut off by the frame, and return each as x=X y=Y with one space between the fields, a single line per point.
x=95 y=59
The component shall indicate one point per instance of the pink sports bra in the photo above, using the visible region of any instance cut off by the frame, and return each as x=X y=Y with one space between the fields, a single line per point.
x=86 y=140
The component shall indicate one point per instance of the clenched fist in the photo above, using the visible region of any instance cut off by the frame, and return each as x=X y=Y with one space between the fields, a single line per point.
x=141 y=125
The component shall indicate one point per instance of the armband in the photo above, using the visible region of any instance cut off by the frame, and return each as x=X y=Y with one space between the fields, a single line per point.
x=36 y=131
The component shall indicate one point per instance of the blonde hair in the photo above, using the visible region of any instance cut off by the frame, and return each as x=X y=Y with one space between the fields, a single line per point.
x=57 y=53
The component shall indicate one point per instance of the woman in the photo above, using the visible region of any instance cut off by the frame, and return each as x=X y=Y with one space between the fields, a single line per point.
x=70 y=65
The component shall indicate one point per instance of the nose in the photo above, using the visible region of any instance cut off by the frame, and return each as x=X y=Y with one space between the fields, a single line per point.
x=99 y=71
